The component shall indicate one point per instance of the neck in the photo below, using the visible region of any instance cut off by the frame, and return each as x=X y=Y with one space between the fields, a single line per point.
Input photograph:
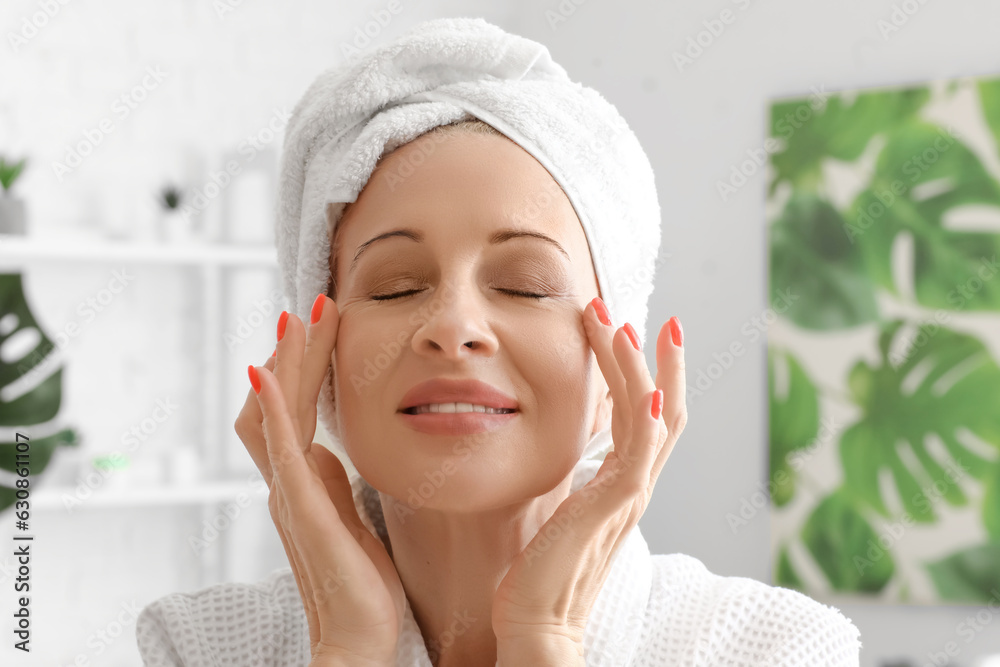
x=450 y=563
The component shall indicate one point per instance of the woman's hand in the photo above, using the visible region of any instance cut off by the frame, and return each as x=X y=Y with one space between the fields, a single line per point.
x=542 y=605
x=350 y=589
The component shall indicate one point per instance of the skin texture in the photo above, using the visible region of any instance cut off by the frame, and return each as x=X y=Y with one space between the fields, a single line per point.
x=498 y=561
x=452 y=545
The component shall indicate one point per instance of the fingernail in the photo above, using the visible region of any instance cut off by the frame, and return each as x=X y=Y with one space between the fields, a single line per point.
x=275 y=352
x=282 y=321
x=632 y=336
x=602 y=311
x=676 y=333
x=657 y=407
x=254 y=378
x=317 y=310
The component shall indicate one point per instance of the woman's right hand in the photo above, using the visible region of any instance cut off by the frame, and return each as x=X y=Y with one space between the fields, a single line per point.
x=350 y=589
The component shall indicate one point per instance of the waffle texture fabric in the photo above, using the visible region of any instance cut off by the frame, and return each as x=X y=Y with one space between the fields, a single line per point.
x=653 y=611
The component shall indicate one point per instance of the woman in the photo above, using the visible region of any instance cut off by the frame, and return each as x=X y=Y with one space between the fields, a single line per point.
x=472 y=284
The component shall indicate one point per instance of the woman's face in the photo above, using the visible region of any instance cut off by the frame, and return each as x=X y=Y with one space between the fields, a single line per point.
x=444 y=298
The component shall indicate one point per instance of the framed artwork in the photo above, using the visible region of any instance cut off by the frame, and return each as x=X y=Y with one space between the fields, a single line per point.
x=883 y=218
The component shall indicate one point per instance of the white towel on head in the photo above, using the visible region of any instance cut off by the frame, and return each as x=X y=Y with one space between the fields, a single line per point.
x=438 y=72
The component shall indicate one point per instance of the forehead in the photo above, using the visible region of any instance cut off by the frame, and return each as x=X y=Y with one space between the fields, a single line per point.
x=460 y=184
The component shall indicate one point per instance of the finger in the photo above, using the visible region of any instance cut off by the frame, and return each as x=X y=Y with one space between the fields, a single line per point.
x=252 y=405
x=289 y=363
x=632 y=363
x=316 y=527
x=625 y=477
x=594 y=514
x=320 y=341
x=671 y=378
x=670 y=373
x=600 y=336
x=648 y=435
x=638 y=383
x=249 y=428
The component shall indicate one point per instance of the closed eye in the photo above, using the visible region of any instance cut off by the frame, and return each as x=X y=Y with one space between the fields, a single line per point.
x=396 y=295
x=400 y=295
x=524 y=294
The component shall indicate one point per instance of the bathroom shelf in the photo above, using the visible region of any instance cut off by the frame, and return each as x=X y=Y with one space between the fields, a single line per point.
x=210 y=270
x=20 y=252
x=51 y=497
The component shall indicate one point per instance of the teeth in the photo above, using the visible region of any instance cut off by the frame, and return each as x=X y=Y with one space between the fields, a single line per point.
x=457 y=407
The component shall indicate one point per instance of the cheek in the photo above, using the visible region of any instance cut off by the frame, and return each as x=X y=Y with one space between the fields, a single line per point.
x=362 y=354
x=367 y=357
x=570 y=344
x=556 y=360
x=362 y=371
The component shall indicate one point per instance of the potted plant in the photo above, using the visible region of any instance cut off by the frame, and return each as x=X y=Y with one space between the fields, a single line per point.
x=30 y=426
x=175 y=225
x=11 y=210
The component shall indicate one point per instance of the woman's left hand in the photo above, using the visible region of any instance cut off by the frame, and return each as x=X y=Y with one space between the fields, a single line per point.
x=543 y=602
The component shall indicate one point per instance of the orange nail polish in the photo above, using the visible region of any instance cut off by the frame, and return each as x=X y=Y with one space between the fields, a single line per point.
x=282 y=321
x=657 y=406
x=317 y=309
x=676 y=333
x=632 y=336
x=254 y=378
x=602 y=310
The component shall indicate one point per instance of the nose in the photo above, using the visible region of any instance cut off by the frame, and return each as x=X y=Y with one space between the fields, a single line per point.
x=454 y=324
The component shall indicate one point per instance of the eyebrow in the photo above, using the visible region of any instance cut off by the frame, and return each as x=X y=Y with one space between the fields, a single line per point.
x=497 y=237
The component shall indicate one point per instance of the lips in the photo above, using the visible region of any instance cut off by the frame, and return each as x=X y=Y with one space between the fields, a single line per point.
x=443 y=390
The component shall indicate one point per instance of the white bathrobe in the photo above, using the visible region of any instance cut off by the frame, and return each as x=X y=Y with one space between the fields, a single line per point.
x=653 y=610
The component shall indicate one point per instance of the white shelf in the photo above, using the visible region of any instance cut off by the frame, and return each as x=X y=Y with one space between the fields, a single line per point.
x=23 y=251
x=209 y=265
x=51 y=497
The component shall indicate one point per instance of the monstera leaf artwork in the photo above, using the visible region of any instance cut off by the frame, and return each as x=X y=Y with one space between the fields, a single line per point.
x=812 y=259
x=30 y=391
x=794 y=422
x=954 y=373
x=944 y=259
x=885 y=223
x=840 y=129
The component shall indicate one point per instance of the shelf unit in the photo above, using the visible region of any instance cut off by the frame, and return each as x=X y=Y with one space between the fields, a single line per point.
x=212 y=492
x=25 y=254
x=22 y=252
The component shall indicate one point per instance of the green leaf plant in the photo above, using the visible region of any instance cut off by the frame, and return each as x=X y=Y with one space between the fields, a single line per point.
x=34 y=410
x=927 y=404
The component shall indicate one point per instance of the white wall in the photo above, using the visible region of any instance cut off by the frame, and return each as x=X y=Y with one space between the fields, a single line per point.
x=225 y=78
x=695 y=125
